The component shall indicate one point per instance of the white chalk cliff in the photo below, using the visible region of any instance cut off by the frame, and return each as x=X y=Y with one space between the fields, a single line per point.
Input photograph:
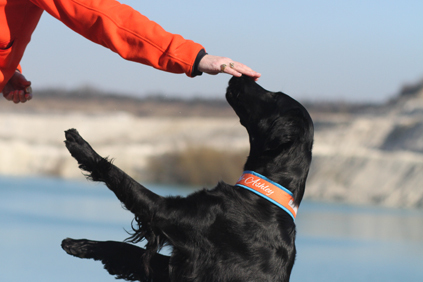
x=375 y=157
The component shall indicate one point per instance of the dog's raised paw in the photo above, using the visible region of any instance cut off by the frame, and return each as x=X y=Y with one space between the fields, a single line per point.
x=80 y=149
x=72 y=135
x=79 y=248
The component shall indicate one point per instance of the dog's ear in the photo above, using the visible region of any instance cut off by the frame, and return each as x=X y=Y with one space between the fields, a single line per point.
x=282 y=132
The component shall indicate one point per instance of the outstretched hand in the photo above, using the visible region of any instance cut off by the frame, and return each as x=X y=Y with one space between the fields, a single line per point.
x=214 y=64
x=18 y=89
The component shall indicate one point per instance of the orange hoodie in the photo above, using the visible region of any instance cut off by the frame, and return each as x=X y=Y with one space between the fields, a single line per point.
x=106 y=22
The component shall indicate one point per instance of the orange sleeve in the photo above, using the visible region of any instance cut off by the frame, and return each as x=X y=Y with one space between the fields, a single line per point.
x=18 y=19
x=126 y=32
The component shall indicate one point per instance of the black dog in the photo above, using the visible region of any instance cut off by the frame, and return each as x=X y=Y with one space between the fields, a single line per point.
x=229 y=233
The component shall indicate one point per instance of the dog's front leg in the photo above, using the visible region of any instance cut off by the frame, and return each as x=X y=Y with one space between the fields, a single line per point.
x=136 y=198
x=120 y=259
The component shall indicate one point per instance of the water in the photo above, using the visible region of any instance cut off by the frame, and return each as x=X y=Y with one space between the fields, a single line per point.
x=334 y=242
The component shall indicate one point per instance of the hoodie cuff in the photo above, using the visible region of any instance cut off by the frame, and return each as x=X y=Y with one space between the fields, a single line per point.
x=195 y=70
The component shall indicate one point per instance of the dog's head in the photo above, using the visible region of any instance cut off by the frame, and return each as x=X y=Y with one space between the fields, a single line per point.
x=280 y=131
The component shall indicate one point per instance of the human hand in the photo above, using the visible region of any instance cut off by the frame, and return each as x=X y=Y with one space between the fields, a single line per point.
x=18 y=89
x=214 y=64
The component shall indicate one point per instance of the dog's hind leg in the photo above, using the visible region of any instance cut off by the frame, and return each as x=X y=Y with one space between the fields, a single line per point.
x=120 y=259
x=136 y=198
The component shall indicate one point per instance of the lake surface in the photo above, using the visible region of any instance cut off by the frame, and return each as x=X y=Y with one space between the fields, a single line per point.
x=334 y=242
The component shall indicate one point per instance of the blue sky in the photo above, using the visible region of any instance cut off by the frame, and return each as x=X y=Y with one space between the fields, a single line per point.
x=342 y=50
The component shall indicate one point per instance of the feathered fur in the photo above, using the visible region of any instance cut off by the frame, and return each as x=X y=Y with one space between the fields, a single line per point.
x=223 y=234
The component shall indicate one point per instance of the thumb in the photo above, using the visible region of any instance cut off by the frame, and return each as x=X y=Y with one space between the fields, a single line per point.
x=23 y=81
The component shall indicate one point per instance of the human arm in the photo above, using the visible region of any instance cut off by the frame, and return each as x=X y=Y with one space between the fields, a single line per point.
x=125 y=31
x=136 y=38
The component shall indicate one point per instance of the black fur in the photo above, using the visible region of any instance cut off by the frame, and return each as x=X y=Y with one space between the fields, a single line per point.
x=224 y=234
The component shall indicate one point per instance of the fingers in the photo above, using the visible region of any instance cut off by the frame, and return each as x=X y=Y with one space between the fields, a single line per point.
x=18 y=96
x=214 y=64
x=238 y=69
x=18 y=89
